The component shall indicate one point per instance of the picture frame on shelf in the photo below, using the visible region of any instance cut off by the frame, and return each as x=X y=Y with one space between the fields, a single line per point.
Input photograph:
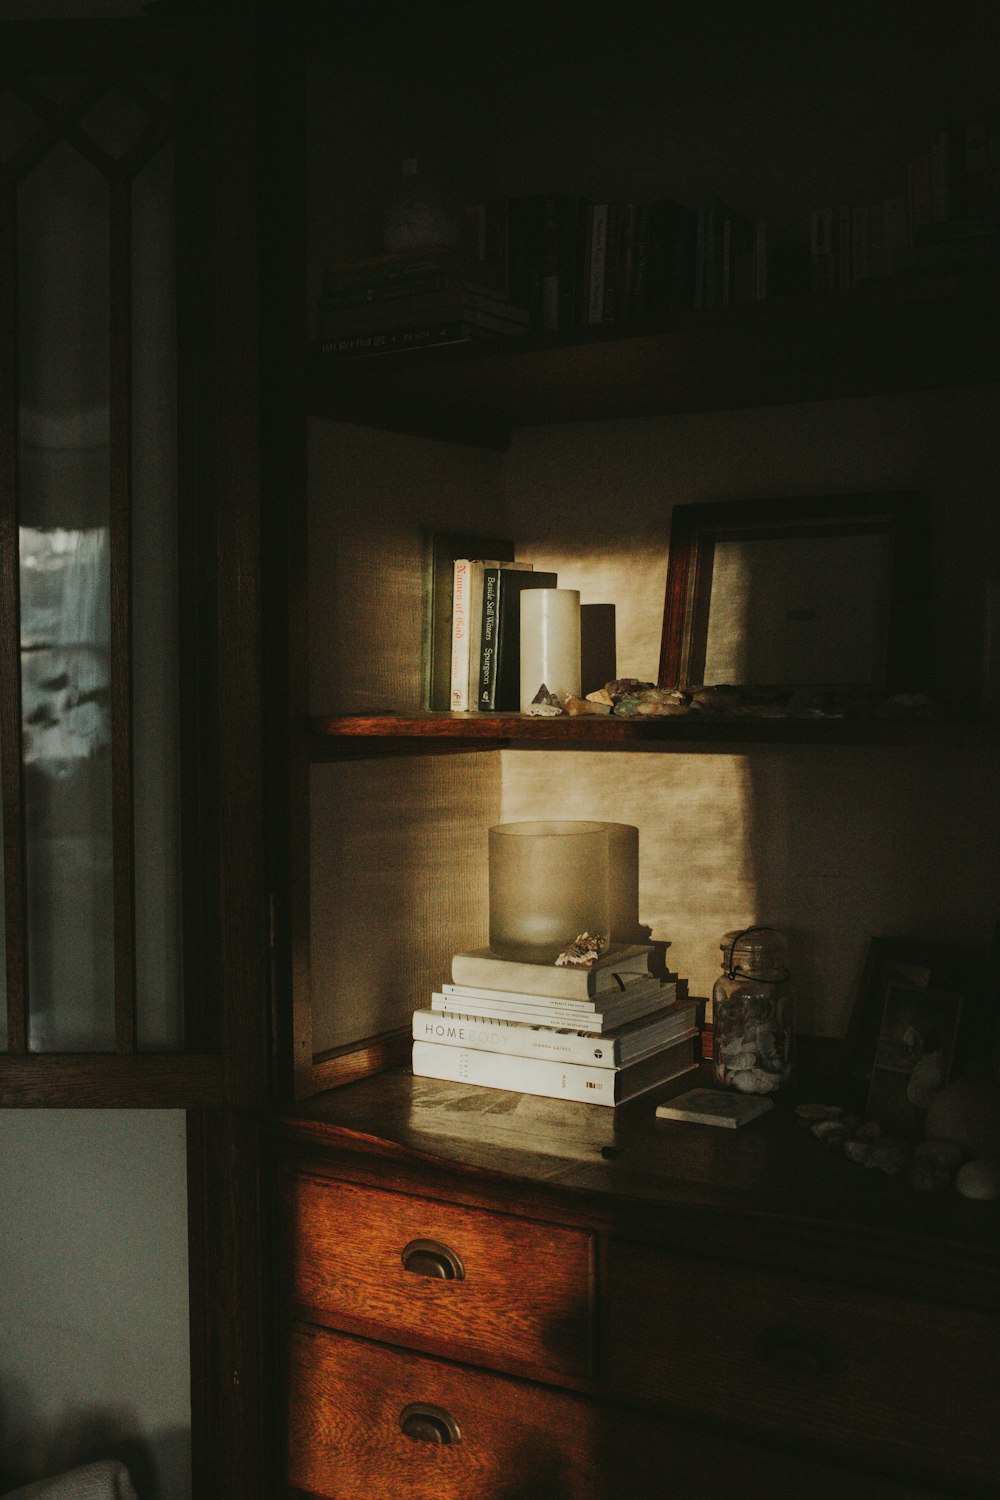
x=756 y=593
x=918 y=1011
x=914 y=1054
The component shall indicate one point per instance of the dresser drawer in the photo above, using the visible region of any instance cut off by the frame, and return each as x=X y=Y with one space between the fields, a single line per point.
x=912 y=1383
x=351 y=1405
x=520 y=1297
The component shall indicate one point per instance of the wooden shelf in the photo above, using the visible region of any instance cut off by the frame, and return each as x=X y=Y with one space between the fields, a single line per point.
x=876 y=340
x=341 y=736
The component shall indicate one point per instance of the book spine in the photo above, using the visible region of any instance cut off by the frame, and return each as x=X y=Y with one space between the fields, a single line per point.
x=524 y=1075
x=821 y=252
x=486 y=692
x=469 y=996
x=388 y=291
x=550 y=264
x=596 y=262
x=518 y=1038
x=393 y=340
x=460 y=636
x=612 y=265
x=545 y=980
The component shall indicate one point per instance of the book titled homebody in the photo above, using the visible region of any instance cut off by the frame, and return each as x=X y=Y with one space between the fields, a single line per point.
x=482 y=968
x=555 y=1079
x=614 y=1049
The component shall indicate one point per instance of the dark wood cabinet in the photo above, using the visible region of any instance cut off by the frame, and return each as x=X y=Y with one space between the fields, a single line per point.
x=679 y=1310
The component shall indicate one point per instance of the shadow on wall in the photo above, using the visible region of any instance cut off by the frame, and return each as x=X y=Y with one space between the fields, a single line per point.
x=33 y=1448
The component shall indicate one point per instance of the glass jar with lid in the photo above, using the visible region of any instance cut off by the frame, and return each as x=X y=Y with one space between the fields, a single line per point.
x=752 y=1012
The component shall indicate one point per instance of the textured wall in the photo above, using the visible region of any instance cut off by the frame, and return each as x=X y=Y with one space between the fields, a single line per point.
x=836 y=845
x=93 y=1295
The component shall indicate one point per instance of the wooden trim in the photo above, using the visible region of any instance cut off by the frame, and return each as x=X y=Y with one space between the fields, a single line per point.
x=231 y=1257
x=49 y=1080
x=120 y=505
x=341 y=736
x=358 y=1060
x=11 y=768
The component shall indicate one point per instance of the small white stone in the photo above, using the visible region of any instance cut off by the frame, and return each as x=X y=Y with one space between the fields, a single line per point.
x=980 y=1178
x=859 y=1151
x=890 y=1155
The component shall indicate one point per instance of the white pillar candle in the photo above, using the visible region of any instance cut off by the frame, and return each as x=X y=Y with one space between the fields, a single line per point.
x=550 y=643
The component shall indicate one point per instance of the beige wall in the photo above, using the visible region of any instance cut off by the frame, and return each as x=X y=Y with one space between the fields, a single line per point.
x=836 y=845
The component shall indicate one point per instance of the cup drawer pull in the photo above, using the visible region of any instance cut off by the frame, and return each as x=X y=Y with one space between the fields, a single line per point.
x=430 y=1258
x=796 y=1349
x=429 y=1424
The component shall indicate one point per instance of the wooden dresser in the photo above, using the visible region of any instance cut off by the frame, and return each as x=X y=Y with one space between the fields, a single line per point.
x=492 y=1297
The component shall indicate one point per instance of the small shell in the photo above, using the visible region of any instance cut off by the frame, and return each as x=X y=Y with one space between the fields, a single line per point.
x=829 y=1131
x=980 y=1178
x=890 y=1155
x=858 y=1150
x=809 y=1112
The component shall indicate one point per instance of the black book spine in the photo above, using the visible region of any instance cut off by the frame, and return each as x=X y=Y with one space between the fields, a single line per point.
x=489 y=638
x=507 y=693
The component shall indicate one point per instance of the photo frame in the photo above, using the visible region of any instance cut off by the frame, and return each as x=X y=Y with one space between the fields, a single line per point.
x=756 y=593
x=918 y=1020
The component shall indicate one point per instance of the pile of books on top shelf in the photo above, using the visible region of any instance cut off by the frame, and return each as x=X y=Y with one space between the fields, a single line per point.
x=574 y=263
x=413 y=299
x=599 y=1035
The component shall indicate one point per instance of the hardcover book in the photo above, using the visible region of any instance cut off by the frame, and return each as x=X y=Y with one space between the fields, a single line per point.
x=616 y=1048
x=499 y=685
x=607 y=1013
x=481 y=967
x=441 y=550
x=552 y=1079
x=715 y=1107
x=485 y=310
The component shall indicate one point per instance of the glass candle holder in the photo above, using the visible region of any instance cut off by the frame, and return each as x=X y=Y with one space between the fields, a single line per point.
x=550 y=644
x=549 y=882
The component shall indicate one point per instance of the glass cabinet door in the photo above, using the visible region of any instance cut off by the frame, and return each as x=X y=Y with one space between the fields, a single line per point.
x=108 y=548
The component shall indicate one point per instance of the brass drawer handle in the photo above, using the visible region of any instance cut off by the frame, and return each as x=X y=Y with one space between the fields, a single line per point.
x=796 y=1349
x=429 y=1424
x=430 y=1258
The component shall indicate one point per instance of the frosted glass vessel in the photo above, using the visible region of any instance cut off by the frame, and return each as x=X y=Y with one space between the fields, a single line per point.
x=548 y=883
x=550 y=644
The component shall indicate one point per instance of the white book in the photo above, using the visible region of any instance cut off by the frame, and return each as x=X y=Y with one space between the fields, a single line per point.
x=614 y=1049
x=467 y=625
x=480 y=968
x=552 y=1079
x=635 y=987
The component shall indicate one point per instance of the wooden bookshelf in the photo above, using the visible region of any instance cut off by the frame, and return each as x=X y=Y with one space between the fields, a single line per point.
x=879 y=339
x=339 y=736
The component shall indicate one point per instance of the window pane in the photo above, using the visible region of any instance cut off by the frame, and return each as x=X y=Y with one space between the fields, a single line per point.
x=63 y=453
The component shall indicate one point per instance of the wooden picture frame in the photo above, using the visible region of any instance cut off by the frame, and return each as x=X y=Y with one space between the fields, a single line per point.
x=704 y=536
x=908 y=989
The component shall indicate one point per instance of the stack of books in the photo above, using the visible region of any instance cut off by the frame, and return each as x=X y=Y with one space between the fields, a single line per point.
x=600 y=1035
x=413 y=300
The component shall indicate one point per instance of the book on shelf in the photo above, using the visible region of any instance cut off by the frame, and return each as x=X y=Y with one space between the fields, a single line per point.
x=555 y=1079
x=482 y=968
x=467 y=625
x=393 y=291
x=594 y=262
x=484 y=310
x=665 y=255
x=715 y=1107
x=442 y=548
x=398 y=340
x=499 y=682
x=599 y=1015
x=615 y=1048
x=379 y=273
